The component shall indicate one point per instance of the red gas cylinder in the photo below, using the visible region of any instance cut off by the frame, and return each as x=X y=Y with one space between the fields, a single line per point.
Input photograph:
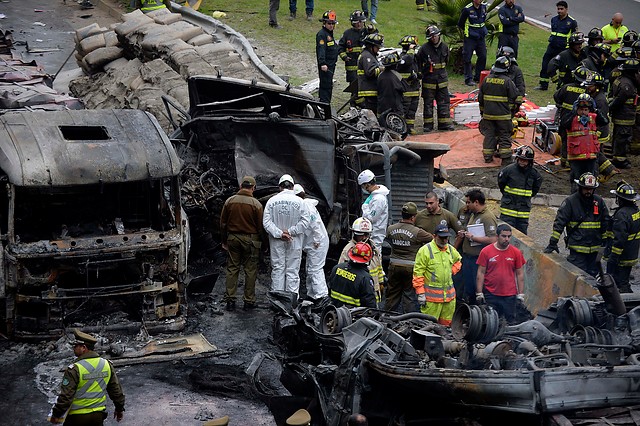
x=483 y=75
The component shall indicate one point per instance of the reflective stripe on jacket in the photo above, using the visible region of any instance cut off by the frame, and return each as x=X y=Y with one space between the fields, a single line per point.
x=91 y=394
x=518 y=185
x=582 y=141
x=433 y=270
x=587 y=221
x=149 y=5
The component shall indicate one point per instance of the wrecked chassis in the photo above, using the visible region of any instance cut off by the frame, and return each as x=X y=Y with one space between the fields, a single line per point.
x=92 y=223
x=237 y=127
x=393 y=367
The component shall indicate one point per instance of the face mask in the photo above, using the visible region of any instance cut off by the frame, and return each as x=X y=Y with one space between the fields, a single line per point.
x=584 y=120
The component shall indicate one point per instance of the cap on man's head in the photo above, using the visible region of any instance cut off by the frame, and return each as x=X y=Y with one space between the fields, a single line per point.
x=84 y=339
x=298 y=189
x=286 y=178
x=299 y=418
x=410 y=208
x=442 y=230
x=248 y=180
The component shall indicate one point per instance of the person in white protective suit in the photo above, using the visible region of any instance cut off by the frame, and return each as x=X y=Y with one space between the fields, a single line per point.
x=286 y=219
x=316 y=246
x=375 y=207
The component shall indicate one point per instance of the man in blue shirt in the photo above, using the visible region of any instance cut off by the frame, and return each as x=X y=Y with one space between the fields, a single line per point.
x=562 y=26
x=472 y=23
x=510 y=16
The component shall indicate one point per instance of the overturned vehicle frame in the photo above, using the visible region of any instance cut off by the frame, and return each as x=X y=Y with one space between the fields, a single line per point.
x=237 y=127
x=91 y=222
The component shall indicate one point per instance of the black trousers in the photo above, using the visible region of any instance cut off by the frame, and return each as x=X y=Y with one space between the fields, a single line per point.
x=510 y=40
x=326 y=84
x=90 y=419
x=586 y=262
x=552 y=52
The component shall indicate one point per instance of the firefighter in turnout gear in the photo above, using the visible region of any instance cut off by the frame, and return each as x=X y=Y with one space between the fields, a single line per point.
x=595 y=88
x=391 y=87
x=350 y=283
x=368 y=71
x=582 y=137
x=515 y=74
x=350 y=45
x=409 y=70
x=519 y=182
x=565 y=97
x=435 y=264
x=623 y=111
x=85 y=386
x=561 y=67
x=562 y=26
x=327 y=55
x=622 y=250
x=360 y=232
x=586 y=219
x=432 y=59
x=497 y=99
x=597 y=58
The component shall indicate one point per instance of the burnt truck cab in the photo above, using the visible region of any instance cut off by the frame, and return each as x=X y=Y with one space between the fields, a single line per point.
x=237 y=127
x=91 y=221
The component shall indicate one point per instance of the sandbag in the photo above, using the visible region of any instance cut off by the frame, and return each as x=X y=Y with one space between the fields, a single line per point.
x=184 y=30
x=101 y=56
x=168 y=18
x=127 y=27
x=120 y=62
x=111 y=39
x=201 y=40
x=131 y=15
x=87 y=31
x=158 y=12
x=92 y=43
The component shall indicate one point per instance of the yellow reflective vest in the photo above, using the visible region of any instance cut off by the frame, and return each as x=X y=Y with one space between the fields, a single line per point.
x=91 y=394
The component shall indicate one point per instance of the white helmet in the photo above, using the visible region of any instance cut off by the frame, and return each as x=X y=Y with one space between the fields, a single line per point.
x=285 y=178
x=298 y=189
x=362 y=226
x=365 y=176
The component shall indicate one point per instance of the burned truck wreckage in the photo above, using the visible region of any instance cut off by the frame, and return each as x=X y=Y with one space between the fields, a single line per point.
x=237 y=127
x=91 y=221
x=407 y=369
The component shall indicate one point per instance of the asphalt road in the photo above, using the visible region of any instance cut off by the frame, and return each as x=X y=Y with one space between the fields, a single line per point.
x=589 y=13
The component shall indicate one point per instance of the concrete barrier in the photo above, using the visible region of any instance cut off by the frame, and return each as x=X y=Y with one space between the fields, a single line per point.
x=546 y=276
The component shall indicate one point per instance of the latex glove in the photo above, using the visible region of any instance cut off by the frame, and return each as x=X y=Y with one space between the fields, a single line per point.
x=520 y=297
x=422 y=299
x=480 y=299
x=551 y=248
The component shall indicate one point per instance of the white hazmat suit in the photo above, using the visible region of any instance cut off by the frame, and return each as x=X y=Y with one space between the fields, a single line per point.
x=376 y=209
x=286 y=212
x=316 y=245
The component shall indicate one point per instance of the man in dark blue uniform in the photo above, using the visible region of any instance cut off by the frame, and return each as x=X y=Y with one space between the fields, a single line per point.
x=327 y=55
x=472 y=23
x=510 y=15
x=562 y=26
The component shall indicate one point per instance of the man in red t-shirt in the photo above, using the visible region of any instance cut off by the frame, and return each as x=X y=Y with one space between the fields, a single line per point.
x=500 y=278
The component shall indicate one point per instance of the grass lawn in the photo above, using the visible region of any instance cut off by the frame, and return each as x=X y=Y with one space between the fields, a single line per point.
x=396 y=18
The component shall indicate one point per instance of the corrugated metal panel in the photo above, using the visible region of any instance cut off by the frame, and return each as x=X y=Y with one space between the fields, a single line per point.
x=409 y=183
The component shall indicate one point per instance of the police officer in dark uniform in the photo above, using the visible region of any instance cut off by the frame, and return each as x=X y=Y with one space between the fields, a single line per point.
x=350 y=283
x=519 y=182
x=408 y=69
x=350 y=45
x=562 y=26
x=327 y=55
x=432 y=58
x=472 y=23
x=511 y=15
x=85 y=386
x=586 y=219
x=623 y=111
x=368 y=71
x=405 y=239
x=561 y=66
x=622 y=252
x=497 y=99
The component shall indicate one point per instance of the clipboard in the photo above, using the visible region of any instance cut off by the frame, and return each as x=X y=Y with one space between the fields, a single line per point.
x=477 y=230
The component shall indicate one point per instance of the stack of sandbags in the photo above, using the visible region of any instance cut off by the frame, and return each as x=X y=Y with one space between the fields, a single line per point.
x=95 y=47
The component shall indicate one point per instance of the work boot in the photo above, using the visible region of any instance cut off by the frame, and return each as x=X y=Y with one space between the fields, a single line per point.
x=541 y=87
x=86 y=4
x=231 y=305
x=488 y=159
x=275 y=25
x=292 y=16
x=446 y=128
x=309 y=16
x=248 y=306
